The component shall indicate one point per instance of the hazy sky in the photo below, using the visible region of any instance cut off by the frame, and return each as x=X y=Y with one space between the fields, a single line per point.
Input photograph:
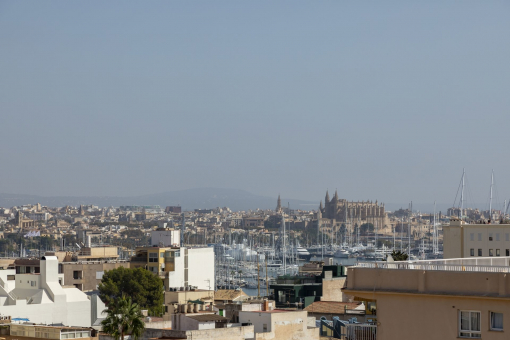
x=384 y=100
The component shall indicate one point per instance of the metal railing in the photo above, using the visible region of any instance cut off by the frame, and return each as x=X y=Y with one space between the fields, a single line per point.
x=360 y=332
x=457 y=265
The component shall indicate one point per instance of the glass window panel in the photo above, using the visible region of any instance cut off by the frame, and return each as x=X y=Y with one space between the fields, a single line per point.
x=496 y=320
x=475 y=321
x=464 y=321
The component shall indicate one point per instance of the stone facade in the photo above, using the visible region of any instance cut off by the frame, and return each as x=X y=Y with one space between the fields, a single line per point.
x=342 y=211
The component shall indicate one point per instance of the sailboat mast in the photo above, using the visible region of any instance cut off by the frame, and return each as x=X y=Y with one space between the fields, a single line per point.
x=490 y=200
x=434 y=239
x=284 y=248
x=462 y=195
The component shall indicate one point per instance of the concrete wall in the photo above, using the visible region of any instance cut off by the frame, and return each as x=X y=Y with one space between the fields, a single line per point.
x=452 y=242
x=429 y=282
x=165 y=238
x=183 y=297
x=201 y=268
x=332 y=289
x=288 y=325
x=231 y=333
x=422 y=317
x=89 y=272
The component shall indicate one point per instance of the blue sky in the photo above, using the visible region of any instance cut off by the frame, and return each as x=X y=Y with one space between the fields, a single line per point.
x=381 y=100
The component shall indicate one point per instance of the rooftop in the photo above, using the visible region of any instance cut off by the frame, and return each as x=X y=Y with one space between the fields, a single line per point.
x=333 y=307
x=207 y=317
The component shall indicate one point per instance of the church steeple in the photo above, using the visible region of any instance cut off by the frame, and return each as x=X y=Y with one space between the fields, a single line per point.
x=320 y=206
x=326 y=201
x=335 y=198
x=279 y=205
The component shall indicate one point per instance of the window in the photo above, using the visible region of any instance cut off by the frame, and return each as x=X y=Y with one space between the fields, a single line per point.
x=469 y=324
x=507 y=252
x=497 y=252
x=472 y=252
x=32 y=283
x=479 y=252
x=264 y=327
x=507 y=237
x=491 y=252
x=479 y=236
x=153 y=257
x=496 y=321
x=490 y=236
x=161 y=255
x=472 y=236
x=497 y=237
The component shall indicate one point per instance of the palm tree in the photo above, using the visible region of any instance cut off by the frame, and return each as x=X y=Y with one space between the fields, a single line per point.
x=124 y=317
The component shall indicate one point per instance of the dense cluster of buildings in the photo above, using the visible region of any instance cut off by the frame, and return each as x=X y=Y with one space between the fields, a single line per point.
x=50 y=291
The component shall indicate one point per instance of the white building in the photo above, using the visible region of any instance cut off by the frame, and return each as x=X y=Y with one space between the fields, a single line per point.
x=193 y=267
x=41 y=298
x=165 y=237
x=281 y=324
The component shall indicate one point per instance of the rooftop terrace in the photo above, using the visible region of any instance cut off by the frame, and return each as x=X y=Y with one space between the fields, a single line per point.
x=481 y=276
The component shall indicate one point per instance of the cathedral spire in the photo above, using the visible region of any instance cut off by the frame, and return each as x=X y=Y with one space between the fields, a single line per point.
x=320 y=206
x=335 y=198
x=326 y=201
x=279 y=205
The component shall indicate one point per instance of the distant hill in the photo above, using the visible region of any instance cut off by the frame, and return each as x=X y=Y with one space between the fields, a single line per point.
x=199 y=198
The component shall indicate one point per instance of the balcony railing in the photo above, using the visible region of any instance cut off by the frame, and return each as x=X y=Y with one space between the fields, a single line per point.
x=360 y=332
x=488 y=265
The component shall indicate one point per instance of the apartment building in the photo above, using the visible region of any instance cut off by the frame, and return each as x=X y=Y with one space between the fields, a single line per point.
x=462 y=240
x=179 y=266
x=437 y=299
x=87 y=275
x=165 y=237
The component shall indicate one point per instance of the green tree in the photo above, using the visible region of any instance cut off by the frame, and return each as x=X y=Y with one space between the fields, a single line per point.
x=366 y=228
x=399 y=256
x=123 y=317
x=145 y=288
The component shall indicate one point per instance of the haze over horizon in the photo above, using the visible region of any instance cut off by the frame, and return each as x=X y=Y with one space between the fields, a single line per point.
x=386 y=101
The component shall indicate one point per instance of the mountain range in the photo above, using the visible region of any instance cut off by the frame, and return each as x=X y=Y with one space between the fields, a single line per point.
x=189 y=199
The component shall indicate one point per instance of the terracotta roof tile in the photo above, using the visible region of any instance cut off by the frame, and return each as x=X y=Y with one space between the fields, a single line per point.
x=330 y=307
